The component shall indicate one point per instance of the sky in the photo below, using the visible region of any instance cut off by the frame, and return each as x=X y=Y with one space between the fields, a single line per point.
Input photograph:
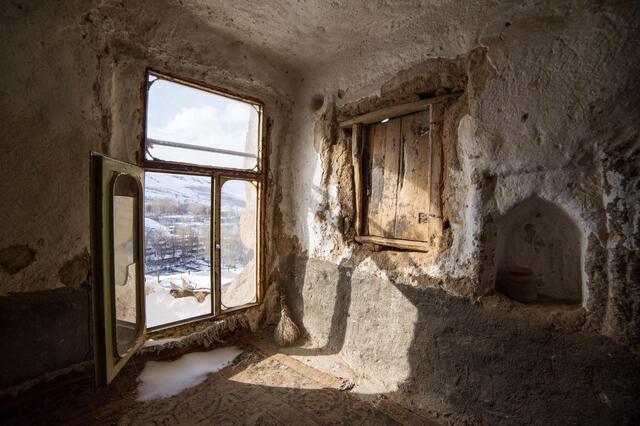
x=179 y=113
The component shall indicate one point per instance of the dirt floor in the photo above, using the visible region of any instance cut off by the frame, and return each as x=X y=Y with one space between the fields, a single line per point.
x=261 y=387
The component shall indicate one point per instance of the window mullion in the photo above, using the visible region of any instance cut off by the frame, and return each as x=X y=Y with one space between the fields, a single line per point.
x=215 y=212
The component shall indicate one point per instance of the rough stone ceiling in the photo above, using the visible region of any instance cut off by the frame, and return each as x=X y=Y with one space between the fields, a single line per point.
x=308 y=34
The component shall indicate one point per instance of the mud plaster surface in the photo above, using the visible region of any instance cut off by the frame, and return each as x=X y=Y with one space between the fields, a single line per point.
x=77 y=87
x=73 y=83
x=549 y=109
x=548 y=112
x=523 y=128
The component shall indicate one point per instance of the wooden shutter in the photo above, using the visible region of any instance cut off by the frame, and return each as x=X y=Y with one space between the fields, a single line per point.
x=402 y=175
x=384 y=147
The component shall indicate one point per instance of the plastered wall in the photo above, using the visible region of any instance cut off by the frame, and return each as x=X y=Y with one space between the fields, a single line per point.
x=549 y=111
x=73 y=82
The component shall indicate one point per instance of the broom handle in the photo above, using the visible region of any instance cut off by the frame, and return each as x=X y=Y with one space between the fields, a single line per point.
x=283 y=303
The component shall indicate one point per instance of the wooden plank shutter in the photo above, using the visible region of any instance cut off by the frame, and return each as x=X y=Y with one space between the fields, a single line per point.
x=384 y=149
x=434 y=219
x=413 y=194
x=402 y=177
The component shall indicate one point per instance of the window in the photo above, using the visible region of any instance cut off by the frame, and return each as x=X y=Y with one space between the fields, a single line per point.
x=177 y=236
x=198 y=143
x=397 y=169
x=190 y=125
x=178 y=239
x=238 y=236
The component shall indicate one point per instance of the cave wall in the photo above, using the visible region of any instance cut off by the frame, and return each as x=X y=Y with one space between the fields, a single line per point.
x=549 y=110
x=73 y=82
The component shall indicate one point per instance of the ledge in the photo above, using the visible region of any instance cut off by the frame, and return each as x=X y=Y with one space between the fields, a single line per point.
x=561 y=314
x=391 y=242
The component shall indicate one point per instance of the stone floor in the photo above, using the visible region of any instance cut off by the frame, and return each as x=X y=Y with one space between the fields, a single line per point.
x=260 y=388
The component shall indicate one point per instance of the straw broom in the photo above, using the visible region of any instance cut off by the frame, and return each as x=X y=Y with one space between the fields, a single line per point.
x=286 y=332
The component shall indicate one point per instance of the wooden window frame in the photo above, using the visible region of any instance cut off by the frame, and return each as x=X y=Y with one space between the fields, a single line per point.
x=358 y=126
x=218 y=176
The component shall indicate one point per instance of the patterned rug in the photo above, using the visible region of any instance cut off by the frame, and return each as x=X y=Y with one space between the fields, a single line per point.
x=259 y=389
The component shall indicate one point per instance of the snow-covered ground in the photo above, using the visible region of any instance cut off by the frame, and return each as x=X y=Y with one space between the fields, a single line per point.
x=167 y=256
x=162 y=308
x=153 y=225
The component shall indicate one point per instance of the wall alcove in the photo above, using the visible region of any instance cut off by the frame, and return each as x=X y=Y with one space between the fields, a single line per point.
x=538 y=235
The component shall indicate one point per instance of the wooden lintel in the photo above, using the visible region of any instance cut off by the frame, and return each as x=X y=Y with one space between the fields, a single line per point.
x=397 y=110
x=402 y=244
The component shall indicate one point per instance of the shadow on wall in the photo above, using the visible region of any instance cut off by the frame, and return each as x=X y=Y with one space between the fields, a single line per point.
x=41 y=332
x=479 y=364
x=473 y=363
x=297 y=267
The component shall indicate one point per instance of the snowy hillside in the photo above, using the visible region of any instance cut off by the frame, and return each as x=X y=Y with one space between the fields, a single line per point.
x=190 y=189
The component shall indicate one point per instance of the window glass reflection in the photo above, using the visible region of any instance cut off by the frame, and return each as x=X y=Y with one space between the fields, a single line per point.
x=125 y=260
x=238 y=225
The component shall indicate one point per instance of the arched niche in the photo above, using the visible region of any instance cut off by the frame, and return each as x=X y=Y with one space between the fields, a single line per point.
x=539 y=235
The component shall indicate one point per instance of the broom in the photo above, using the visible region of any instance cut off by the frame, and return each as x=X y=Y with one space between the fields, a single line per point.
x=286 y=332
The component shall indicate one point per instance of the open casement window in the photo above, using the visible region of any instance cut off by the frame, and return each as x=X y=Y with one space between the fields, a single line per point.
x=179 y=239
x=397 y=169
x=117 y=269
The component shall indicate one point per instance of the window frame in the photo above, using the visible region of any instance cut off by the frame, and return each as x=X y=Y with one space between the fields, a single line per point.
x=359 y=148
x=218 y=176
x=222 y=179
x=108 y=361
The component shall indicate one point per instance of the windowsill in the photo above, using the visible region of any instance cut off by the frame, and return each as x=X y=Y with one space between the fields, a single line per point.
x=188 y=325
x=201 y=333
x=176 y=324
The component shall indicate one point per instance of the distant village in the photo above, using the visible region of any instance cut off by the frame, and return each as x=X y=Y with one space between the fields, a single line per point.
x=178 y=237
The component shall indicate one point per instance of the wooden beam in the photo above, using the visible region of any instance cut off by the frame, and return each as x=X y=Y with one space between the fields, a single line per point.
x=402 y=244
x=356 y=159
x=435 y=177
x=397 y=110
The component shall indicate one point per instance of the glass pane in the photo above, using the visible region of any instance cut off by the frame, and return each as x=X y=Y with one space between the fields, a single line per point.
x=189 y=125
x=125 y=260
x=238 y=226
x=177 y=235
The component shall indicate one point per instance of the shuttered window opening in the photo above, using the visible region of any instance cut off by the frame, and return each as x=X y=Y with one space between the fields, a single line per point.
x=398 y=167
